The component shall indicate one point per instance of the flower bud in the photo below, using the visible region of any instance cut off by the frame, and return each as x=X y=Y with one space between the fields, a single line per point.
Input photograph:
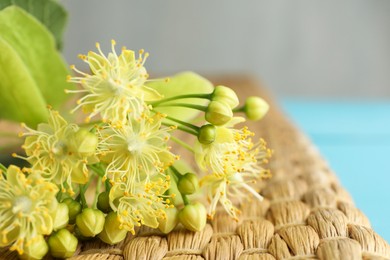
x=188 y=184
x=62 y=244
x=193 y=216
x=79 y=236
x=255 y=108
x=90 y=222
x=84 y=142
x=112 y=233
x=226 y=95
x=206 y=134
x=218 y=113
x=103 y=202
x=167 y=224
x=60 y=216
x=74 y=208
x=37 y=249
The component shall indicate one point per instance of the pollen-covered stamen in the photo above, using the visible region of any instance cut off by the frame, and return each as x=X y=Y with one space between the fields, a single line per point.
x=136 y=150
x=143 y=205
x=233 y=162
x=27 y=205
x=52 y=151
x=116 y=87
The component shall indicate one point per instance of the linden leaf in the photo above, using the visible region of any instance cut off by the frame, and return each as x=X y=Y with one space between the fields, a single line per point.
x=182 y=84
x=21 y=99
x=48 y=12
x=33 y=48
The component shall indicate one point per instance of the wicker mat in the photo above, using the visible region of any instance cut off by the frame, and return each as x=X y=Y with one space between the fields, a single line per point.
x=306 y=213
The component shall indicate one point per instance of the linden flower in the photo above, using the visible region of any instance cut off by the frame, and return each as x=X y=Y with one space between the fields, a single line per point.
x=137 y=150
x=116 y=86
x=26 y=207
x=232 y=161
x=51 y=150
x=140 y=204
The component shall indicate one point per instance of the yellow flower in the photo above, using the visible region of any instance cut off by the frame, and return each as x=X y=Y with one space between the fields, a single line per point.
x=51 y=151
x=231 y=162
x=136 y=150
x=223 y=187
x=140 y=204
x=26 y=208
x=116 y=86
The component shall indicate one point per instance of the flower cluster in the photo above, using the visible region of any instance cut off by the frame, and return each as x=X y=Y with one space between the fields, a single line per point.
x=125 y=155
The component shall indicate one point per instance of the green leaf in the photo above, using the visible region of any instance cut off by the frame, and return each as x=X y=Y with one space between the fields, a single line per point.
x=48 y=12
x=33 y=54
x=20 y=97
x=182 y=84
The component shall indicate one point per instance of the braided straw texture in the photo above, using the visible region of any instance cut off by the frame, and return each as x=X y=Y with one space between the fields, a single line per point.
x=306 y=214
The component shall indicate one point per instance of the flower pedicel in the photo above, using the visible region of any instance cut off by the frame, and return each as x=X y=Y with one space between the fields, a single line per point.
x=124 y=157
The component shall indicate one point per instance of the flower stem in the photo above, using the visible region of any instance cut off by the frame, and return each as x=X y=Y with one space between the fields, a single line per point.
x=192 y=106
x=239 y=109
x=204 y=96
x=97 y=168
x=185 y=199
x=196 y=128
x=176 y=172
x=107 y=185
x=3 y=168
x=82 y=196
x=182 y=143
x=83 y=189
x=97 y=192
x=189 y=131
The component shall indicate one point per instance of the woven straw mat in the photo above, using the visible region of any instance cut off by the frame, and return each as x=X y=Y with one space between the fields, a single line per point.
x=306 y=214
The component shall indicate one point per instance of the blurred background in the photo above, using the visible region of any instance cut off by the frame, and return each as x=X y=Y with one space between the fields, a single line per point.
x=328 y=64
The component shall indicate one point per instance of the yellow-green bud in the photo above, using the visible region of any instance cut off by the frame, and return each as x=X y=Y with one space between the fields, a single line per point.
x=226 y=95
x=103 y=202
x=188 y=184
x=74 y=208
x=84 y=142
x=79 y=236
x=255 y=108
x=37 y=249
x=60 y=216
x=167 y=224
x=218 y=113
x=90 y=222
x=62 y=244
x=193 y=216
x=112 y=233
x=206 y=134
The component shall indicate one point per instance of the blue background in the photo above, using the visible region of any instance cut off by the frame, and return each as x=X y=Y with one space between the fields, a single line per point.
x=354 y=137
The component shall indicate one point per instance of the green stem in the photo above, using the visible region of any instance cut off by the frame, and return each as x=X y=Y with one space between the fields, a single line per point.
x=83 y=189
x=98 y=169
x=196 y=128
x=97 y=192
x=185 y=199
x=239 y=109
x=107 y=185
x=3 y=168
x=82 y=196
x=183 y=144
x=189 y=131
x=192 y=106
x=176 y=172
x=204 y=96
